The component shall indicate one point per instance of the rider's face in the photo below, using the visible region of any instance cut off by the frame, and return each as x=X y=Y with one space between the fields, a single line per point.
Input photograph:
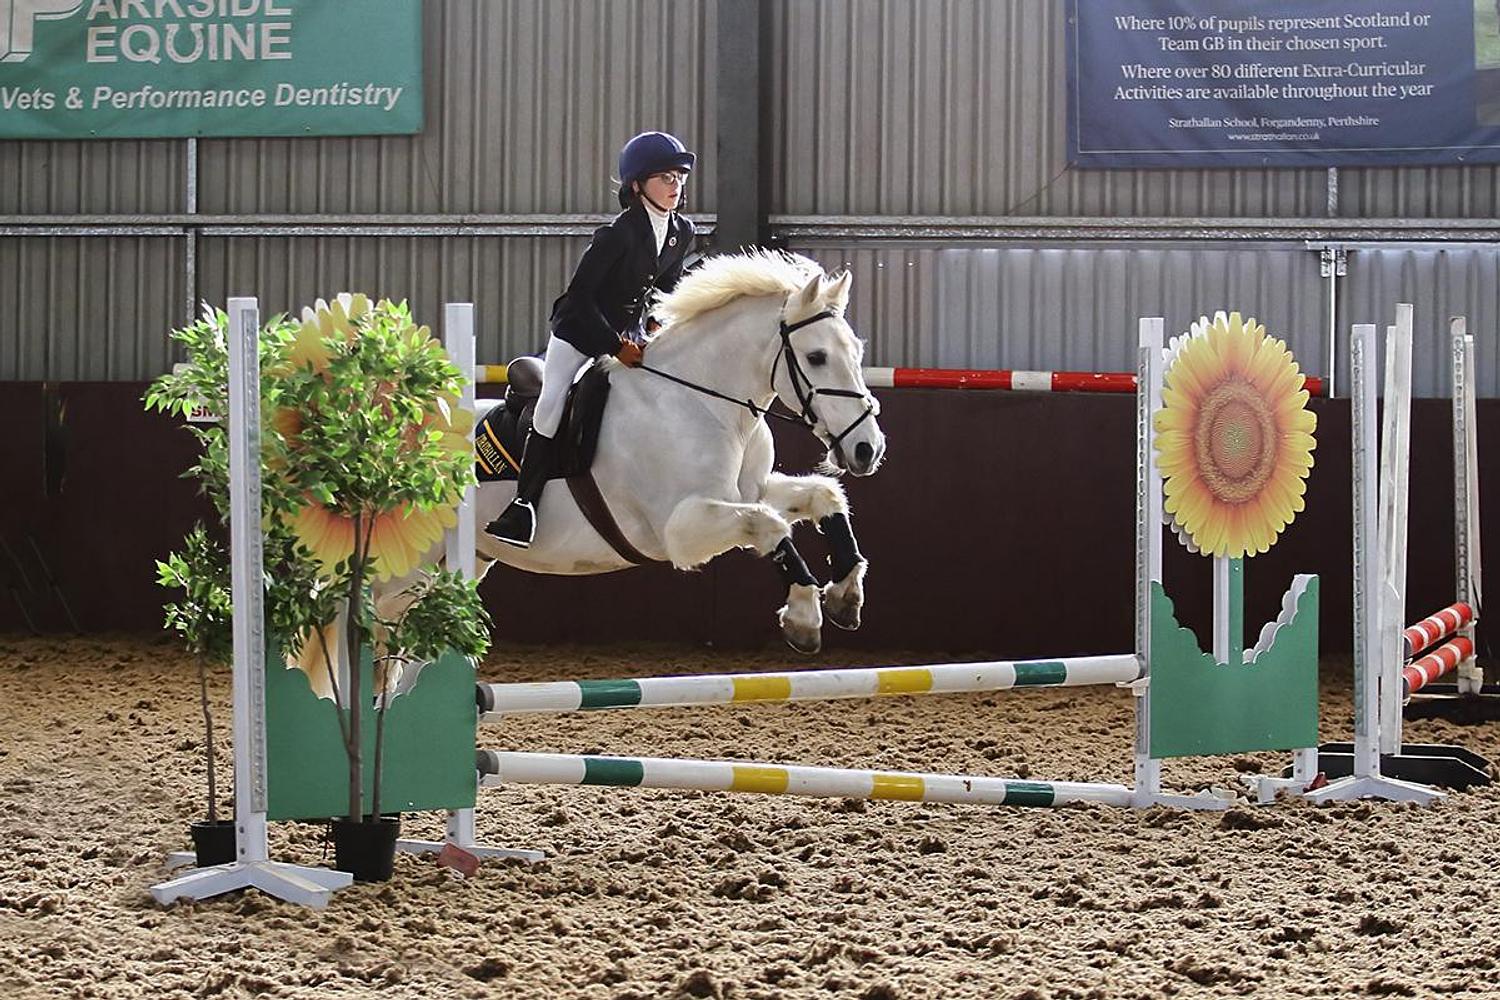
x=665 y=189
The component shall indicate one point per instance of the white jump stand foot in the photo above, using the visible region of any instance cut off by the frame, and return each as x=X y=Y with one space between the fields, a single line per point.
x=505 y=853
x=1376 y=787
x=461 y=834
x=1205 y=801
x=292 y=883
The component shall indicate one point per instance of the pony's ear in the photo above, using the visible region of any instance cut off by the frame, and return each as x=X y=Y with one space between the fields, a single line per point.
x=804 y=302
x=837 y=292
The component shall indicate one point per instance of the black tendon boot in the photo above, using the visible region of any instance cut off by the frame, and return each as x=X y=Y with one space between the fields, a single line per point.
x=517 y=523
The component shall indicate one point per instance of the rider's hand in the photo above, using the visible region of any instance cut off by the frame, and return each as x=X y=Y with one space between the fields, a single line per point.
x=630 y=354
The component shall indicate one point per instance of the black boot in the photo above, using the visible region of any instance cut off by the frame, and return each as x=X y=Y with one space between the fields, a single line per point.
x=517 y=523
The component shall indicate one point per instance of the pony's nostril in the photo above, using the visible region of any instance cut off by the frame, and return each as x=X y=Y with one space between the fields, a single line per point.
x=863 y=453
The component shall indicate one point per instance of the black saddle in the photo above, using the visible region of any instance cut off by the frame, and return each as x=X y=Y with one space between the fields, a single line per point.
x=500 y=434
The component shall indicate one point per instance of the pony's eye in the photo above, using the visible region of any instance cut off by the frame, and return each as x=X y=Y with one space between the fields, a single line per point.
x=817 y=358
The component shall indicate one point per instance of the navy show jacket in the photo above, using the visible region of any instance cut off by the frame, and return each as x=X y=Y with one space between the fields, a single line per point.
x=614 y=279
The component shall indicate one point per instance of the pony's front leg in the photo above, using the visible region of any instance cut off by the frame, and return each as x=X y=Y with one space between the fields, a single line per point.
x=844 y=598
x=821 y=499
x=801 y=617
x=701 y=528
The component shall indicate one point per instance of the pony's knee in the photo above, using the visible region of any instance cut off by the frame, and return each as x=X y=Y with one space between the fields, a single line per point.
x=806 y=497
x=825 y=498
x=761 y=528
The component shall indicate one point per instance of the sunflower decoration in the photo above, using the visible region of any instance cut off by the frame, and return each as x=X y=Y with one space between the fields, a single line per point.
x=401 y=534
x=324 y=323
x=1234 y=437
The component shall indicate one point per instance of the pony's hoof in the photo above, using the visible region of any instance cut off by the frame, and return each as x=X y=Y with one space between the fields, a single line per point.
x=801 y=619
x=803 y=641
x=843 y=601
x=845 y=617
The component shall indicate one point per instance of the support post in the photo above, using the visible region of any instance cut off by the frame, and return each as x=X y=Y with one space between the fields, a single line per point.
x=295 y=884
x=1395 y=466
x=1365 y=779
x=458 y=338
x=743 y=143
x=1470 y=676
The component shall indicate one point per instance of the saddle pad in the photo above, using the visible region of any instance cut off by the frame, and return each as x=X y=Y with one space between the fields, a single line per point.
x=500 y=437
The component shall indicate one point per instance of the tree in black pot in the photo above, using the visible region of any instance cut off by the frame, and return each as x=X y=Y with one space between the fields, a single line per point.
x=365 y=456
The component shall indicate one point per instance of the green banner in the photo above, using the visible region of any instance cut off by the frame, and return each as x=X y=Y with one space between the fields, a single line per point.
x=110 y=69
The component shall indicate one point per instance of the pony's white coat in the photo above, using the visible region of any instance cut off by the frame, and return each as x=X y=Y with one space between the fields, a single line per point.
x=687 y=476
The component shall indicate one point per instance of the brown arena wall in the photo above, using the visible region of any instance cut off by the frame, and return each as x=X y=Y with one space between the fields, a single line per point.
x=1000 y=522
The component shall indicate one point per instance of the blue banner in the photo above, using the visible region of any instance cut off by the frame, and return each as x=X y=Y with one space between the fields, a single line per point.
x=1295 y=83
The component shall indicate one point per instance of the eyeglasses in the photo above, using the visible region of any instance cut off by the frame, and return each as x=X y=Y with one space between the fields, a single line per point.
x=672 y=177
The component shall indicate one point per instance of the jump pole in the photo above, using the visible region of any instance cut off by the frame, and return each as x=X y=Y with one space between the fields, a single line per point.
x=498 y=701
x=251 y=867
x=499 y=768
x=990 y=379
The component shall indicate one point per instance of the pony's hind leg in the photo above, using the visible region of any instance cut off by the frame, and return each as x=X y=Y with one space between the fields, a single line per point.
x=822 y=499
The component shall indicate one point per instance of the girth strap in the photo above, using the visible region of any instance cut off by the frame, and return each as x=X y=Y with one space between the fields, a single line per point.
x=596 y=511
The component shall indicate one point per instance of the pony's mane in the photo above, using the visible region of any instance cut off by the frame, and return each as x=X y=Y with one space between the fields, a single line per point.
x=721 y=279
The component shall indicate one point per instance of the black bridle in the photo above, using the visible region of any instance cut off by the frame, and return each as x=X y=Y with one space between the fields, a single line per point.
x=805 y=390
x=802 y=387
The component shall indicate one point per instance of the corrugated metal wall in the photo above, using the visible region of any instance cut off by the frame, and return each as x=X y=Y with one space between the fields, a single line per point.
x=1047 y=308
x=1440 y=284
x=505 y=277
x=957 y=107
x=526 y=103
x=880 y=108
x=87 y=309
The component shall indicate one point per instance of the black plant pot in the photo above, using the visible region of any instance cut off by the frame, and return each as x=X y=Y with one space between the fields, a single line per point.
x=367 y=849
x=214 y=842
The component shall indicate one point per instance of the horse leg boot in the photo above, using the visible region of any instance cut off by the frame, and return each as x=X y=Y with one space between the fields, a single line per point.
x=517 y=523
x=802 y=617
x=845 y=596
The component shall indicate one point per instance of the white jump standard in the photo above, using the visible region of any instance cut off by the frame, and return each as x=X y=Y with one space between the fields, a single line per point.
x=1392 y=663
x=252 y=867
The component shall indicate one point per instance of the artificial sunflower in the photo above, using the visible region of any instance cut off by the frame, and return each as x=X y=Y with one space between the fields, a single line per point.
x=398 y=540
x=322 y=322
x=1234 y=437
x=402 y=535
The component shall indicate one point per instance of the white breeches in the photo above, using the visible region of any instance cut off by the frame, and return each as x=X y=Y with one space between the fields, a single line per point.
x=561 y=367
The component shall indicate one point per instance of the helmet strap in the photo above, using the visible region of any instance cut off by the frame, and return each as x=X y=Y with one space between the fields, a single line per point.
x=647 y=197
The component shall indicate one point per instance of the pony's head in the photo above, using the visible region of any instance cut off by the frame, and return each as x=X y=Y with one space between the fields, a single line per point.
x=819 y=374
x=816 y=372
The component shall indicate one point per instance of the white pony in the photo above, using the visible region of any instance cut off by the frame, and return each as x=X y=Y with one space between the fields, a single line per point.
x=687 y=475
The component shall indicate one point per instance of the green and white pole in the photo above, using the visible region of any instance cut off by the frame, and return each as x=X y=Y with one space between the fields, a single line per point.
x=501 y=700
x=499 y=768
